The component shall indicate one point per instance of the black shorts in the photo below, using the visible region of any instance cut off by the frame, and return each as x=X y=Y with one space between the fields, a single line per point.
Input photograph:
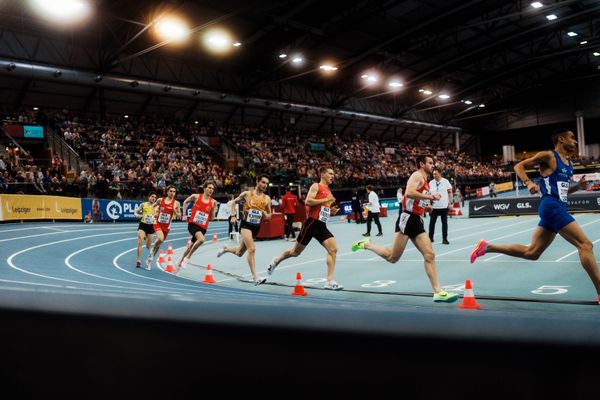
x=252 y=228
x=147 y=228
x=410 y=225
x=193 y=229
x=312 y=228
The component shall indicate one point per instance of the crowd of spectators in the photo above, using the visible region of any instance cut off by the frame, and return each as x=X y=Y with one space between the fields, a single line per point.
x=129 y=157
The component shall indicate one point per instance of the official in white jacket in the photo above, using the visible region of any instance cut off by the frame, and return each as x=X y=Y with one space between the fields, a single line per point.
x=440 y=207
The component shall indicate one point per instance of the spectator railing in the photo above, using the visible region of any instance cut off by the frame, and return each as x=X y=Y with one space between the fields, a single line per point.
x=66 y=153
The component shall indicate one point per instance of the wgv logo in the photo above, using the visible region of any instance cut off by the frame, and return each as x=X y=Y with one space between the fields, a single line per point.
x=503 y=206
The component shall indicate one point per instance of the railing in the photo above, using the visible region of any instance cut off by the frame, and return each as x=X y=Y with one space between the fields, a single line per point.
x=69 y=156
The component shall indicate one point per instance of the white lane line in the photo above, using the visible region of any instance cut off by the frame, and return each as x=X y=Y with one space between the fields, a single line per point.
x=35 y=227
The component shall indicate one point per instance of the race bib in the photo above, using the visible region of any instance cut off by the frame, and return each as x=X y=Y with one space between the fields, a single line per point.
x=148 y=219
x=164 y=218
x=403 y=221
x=324 y=214
x=563 y=190
x=200 y=218
x=254 y=217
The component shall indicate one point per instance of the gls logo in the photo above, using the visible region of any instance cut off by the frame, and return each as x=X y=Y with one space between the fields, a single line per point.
x=502 y=206
x=524 y=205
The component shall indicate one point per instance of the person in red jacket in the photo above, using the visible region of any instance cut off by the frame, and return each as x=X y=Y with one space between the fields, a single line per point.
x=289 y=203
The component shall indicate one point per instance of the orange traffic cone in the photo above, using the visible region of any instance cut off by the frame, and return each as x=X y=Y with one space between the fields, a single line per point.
x=169 y=249
x=161 y=257
x=469 y=301
x=169 y=265
x=215 y=237
x=208 y=278
x=299 y=289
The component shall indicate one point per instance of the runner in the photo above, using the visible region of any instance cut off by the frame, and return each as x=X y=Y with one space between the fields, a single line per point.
x=146 y=227
x=556 y=170
x=319 y=201
x=410 y=226
x=203 y=211
x=166 y=208
x=256 y=208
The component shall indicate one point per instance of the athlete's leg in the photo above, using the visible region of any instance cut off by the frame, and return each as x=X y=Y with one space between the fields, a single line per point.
x=540 y=240
x=160 y=238
x=331 y=247
x=140 y=235
x=423 y=244
x=292 y=252
x=392 y=254
x=574 y=235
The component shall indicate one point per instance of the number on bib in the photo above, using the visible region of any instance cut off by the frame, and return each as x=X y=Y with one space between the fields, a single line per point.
x=254 y=217
x=563 y=190
x=164 y=218
x=324 y=214
x=149 y=219
x=201 y=218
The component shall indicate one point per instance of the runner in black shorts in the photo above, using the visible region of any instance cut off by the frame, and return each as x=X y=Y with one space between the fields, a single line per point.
x=145 y=230
x=410 y=226
x=320 y=204
x=251 y=227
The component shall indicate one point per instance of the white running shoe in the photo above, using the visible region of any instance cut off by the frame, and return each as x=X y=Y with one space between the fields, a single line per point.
x=272 y=266
x=259 y=281
x=149 y=263
x=221 y=252
x=333 y=285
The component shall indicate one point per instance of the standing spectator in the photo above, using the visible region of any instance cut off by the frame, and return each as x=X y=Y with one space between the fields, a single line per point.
x=373 y=211
x=399 y=196
x=289 y=202
x=356 y=208
x=440 y=207
x=493 y=189
x=232 y=226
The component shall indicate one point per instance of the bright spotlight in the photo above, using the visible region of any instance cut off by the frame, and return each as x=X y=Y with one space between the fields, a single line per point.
x=444 y=96
x=282 y=55
x=172 y=29
x=237 y=44
x=217 y=41
x=425 y=91
x=481 y=105
x=536 y=4
x=328 y=68
x=62 y=11
x=468 y=102
x=297 y=60
x=395 y=84
x=369 y=78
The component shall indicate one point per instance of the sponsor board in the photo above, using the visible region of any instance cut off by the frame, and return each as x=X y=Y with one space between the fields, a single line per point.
x=29 y=207
x=582 y=202
x=111 y=210
x=390 y=204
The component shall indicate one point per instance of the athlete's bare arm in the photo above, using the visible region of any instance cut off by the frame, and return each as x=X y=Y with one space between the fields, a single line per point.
x=234 y=203
x=543 y=159
x=269 y=211
x=191 y=199
x=312 y=193
x=415 y=182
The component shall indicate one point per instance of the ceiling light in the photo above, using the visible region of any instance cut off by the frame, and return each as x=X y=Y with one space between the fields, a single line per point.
x=282 y=55
x=426 y=91
x=328 y=68
x=172 y=29
x=126 y=116
x=297 y=60
x=596 y=54
x=217 y=41
x=583 y=42
x=481 y=105
x=444 y=96
x=572 y=34
x=63 y=12
x=551 y=17
x=467 y=102
x=395 y=84
x=237 y=44
x=35 y=108
x=536 y=4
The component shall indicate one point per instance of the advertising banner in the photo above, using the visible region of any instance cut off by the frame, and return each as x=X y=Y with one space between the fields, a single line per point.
x=110 y=210
x=504 y=187
x=582 y=202
x=28 y=207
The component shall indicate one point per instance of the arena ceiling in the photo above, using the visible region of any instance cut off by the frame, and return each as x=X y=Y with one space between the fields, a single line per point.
x=504 y=54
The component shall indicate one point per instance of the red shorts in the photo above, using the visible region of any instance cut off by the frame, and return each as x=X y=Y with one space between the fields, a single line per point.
x=163 y=228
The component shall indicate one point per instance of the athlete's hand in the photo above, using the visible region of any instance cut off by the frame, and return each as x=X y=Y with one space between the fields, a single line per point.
x=268 y=217
x=333 y=210
x=532 y=187
x=436 y=196
x=428 y=209
x=184 y=218
x=582 y=184
x=234 y=220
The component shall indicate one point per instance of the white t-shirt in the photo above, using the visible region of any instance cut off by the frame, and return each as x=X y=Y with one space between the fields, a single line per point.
x=373 y=205
x=442 y=188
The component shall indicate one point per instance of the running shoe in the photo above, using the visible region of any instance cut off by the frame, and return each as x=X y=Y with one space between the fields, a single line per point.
x=221 y=252
x=182 y=263
x=479 y=250
x=333 y=285
x=272 y=266
x=138 y=264
x=259 y=281
x=445 y=297
x=360 y=245
x=149 y=263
